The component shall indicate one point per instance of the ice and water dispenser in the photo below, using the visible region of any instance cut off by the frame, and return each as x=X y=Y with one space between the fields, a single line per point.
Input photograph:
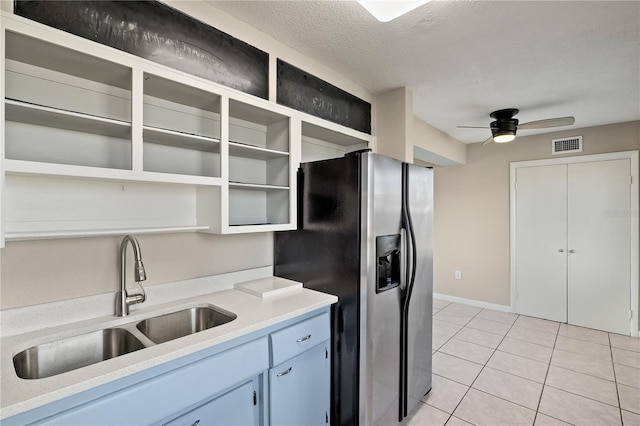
x=388 y=262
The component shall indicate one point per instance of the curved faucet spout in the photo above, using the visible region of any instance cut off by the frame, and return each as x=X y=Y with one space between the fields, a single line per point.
x=123 y=299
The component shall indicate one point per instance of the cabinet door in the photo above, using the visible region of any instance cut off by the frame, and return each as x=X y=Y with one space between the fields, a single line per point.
x=237 y=407
x=299 y=389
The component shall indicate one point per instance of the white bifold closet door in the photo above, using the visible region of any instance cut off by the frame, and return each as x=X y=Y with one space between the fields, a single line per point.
x=541 y=242
x=573 y=243
x=599 y=259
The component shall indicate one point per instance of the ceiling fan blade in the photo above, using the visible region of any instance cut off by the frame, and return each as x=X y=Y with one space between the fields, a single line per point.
x=472 y=127
x=488 y=141
x=550 y=122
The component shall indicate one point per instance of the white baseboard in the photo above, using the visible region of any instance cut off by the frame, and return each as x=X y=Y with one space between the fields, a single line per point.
x=494 y=306
x=472 y=302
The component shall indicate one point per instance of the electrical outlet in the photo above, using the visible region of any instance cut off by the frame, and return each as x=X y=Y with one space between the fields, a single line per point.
x=458 y=274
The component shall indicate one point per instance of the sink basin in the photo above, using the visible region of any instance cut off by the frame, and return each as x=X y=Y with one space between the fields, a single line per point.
x=183 y=323
x=60 y=356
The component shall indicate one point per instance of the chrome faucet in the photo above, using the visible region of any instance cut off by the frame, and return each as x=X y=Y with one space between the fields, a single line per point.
x=123 y=300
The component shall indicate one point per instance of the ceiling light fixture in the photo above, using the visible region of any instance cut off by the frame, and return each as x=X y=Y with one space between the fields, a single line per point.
x=504 y=130
x=388 y=10
x=503 y=137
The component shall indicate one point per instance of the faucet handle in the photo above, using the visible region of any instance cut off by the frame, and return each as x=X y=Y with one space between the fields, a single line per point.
x=142 y=296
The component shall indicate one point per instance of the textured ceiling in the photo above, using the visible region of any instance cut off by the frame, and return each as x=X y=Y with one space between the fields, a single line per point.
x=464 y=59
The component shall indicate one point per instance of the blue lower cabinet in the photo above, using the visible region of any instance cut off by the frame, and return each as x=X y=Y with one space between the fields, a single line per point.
x=226 y=376
x=299 y=377
x=238 y=407
x=299 y=389
x=278 y=376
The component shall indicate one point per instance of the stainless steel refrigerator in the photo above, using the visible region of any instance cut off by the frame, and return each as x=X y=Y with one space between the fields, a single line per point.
x=365 y=235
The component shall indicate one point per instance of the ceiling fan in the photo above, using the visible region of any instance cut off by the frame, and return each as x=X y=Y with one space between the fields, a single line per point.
x=504 y=128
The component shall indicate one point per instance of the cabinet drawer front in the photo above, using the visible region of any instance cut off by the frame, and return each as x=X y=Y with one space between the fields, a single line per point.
x=297 y=338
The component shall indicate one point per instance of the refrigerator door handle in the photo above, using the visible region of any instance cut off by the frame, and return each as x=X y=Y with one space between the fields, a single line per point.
x=412 y=264
x=414 y=255
x=411 y=258
x=404 y=243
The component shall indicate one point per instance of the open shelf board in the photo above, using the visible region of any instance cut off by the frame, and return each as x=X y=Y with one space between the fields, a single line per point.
x=257 y=224
x=41 y=115
x=238 y=149
x=20 y=167
x=74 y=233
x=30 y=49
x=256 y=187
x=180 y=139
x=332 y=136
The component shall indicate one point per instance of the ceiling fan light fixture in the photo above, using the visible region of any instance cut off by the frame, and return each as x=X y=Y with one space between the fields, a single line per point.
x=388 y=10
x=505 y=127
x=503 y=137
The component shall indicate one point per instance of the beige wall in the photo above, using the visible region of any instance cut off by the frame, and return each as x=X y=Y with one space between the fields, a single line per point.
x=49 y=270
x=402 y=136
x=471 y=212
x=394 y=124
x=437 y=142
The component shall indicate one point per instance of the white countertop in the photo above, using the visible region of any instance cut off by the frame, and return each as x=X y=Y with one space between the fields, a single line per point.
x=268 y=287
x=253 y=313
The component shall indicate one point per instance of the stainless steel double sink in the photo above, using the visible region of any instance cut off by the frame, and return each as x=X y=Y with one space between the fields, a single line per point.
x=60 y=356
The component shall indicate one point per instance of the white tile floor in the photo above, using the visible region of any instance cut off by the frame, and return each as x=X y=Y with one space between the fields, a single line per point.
x=496 y=368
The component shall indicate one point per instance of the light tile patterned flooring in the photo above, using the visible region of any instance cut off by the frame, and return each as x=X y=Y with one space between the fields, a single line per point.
x=494 y=368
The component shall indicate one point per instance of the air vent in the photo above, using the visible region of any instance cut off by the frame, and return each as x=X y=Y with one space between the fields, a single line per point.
x=566 y=145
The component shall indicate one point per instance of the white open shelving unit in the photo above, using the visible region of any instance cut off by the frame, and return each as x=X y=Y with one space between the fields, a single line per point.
x=259 y=175
x=100 y=142
x=322 y=140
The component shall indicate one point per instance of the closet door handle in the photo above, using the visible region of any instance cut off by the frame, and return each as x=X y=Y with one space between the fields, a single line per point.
x=560 y=250
x=572 y=251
